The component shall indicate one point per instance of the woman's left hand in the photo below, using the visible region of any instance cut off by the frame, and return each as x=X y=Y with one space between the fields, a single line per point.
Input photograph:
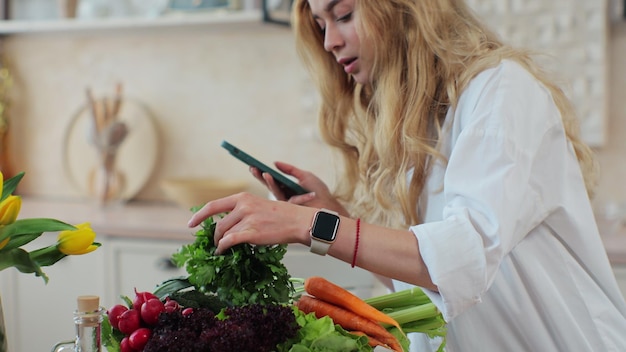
x=255 y=220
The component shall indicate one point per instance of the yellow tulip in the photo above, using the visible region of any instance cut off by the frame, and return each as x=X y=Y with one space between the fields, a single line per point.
x=9 y=208
x=1 y=182
x=4 y=242
x=79 y=241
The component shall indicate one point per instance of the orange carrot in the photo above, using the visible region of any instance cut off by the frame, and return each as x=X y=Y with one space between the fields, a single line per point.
x=329 y=292
x=348 y=320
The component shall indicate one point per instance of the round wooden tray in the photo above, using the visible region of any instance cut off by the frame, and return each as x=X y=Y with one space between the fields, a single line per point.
x=136 y=157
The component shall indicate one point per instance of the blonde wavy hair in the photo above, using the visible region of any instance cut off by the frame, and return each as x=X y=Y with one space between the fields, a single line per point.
x=426 y=53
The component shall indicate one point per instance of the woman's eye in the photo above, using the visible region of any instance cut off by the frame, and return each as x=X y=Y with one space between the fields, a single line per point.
x=345 y=17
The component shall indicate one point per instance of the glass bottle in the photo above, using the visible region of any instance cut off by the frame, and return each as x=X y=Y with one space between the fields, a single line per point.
x=88 y=319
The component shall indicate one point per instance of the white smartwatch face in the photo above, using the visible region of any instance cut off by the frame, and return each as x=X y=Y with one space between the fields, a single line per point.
x=325 y=226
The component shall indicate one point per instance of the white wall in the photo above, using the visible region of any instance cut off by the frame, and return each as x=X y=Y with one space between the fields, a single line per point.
x=202 y=84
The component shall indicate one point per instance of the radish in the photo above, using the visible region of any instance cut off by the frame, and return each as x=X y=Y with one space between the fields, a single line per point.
x=141 y=298
x=171 y=305
x=129 y=321
x=114 y=314
x=125 y=345
x=139 y=338
x=150 y=311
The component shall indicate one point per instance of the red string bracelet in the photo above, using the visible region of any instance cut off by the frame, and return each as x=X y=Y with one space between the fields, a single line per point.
x=356 y=242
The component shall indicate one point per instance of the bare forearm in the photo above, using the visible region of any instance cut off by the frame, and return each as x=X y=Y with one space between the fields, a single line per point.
x=383 y=251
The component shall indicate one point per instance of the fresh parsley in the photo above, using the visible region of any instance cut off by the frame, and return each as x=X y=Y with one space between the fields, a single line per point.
x=244 y=274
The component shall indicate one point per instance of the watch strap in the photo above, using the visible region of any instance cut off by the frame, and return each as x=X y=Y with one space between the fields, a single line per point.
x=319 y=247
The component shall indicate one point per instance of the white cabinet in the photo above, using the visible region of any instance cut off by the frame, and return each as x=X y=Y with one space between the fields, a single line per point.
x=140 y=264
x=34 y=309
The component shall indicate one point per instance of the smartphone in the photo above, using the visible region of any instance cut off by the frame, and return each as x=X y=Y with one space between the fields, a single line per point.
x=287 y=186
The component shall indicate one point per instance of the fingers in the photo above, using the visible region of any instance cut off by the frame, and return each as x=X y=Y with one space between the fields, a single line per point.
x=289 y=169
x=302 y=199
x=227 y=223
x=215 y=207
x=273 y=187
x=256 y=173
x=268 y=181
x=235 y=227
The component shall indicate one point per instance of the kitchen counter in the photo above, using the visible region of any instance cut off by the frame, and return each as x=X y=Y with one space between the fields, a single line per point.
x=169 y=222
x=132 y=219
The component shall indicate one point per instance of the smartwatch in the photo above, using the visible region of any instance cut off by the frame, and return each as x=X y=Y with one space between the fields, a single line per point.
x=323 y=231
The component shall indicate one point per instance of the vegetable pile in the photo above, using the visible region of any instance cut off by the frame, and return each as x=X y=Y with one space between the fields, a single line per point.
x=384 y=320
x=347 y=310
x=245 y=300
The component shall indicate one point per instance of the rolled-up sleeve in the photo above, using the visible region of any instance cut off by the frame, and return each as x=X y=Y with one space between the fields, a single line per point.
x=489 y=199
x=441 y=247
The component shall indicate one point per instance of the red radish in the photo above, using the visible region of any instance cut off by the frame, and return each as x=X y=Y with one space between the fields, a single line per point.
x=125 y=345
x=141 y=297
x=139 y=338
x=129 y=321
x=187 y=311
x=171 y=305
x=150 y=311
x=114 y=314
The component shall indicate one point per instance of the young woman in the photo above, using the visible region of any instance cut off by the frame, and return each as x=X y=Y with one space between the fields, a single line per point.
x=463 y=173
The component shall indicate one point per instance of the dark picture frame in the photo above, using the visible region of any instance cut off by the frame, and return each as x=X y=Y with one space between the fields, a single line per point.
x=4 y=9
x=277 y=11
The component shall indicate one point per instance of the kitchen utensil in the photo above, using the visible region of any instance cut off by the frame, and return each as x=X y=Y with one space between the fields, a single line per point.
x=136 y=153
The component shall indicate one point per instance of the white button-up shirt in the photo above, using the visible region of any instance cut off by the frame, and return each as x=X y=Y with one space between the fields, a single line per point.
x=509 y=236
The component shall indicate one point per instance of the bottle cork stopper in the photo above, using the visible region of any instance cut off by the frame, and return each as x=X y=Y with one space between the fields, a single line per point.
x=88 y=303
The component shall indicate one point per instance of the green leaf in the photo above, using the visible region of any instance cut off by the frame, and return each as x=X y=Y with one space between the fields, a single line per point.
x=47 y=256
x=111 y=338
x=10 y=185
x=17 y=241
x=36 y=225
x=321 y=335
x=170 y=286
x=21 y=260
x=127 y=300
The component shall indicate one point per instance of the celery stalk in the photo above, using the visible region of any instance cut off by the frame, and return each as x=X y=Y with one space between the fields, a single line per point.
x=413 y=310
x=409 y=297
x=415 y=313
x=434 y=326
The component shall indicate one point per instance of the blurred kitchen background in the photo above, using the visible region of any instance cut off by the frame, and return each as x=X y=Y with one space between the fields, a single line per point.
x=210 y=70
x=206 y=74
x=195 y=72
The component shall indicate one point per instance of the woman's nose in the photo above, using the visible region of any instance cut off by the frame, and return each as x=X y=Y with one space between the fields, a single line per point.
x=332 y=38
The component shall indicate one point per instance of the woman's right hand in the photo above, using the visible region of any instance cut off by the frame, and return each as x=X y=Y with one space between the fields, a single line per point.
x=318 y=197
